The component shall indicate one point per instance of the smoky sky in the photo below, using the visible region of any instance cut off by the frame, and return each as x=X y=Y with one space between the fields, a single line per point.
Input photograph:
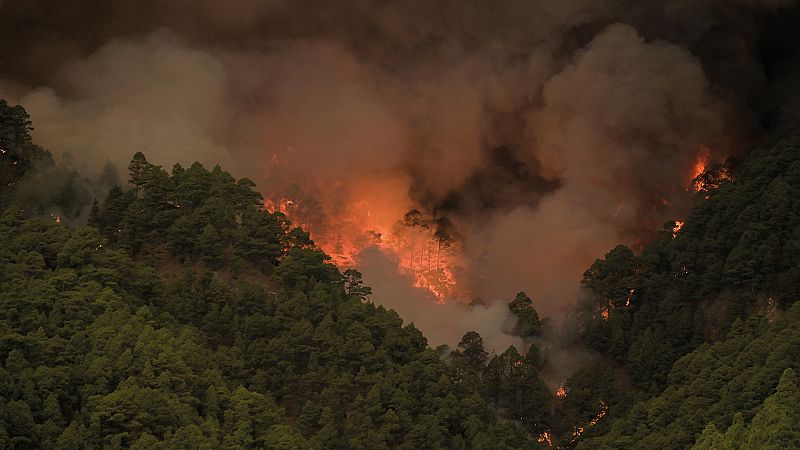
x=546 y=131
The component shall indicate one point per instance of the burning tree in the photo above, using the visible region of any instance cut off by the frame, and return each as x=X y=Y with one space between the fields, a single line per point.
x=712 y=177
x=424 y=246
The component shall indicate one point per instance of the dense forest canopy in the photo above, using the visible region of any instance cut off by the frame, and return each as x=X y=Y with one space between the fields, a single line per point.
x=185 y=315
x=172 y=310
x=704 y=321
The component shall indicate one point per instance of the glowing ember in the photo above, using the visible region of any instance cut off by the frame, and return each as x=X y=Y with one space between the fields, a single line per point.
x=600 y=414
x=629 y=297
x=604 y=314
x=702 y=160
x=561 y=392
x=677 y=227
x=580 y=429
x=545 y=438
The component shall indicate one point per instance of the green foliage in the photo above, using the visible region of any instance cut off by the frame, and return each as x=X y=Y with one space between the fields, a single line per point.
x=30 y=180
x=198 y=216
x=738 y=252
x=188 y=316
x=18 y=154
x=775 y=425
x=99 y=349
x=509 y=381
x=354 y=285
x=209 y=246
x=528 y=323
x=713 y=384
x=259 y=239
x=471 y=347
x=696 y=319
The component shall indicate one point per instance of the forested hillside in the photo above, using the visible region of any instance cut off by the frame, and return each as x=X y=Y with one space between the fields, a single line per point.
x=175 y=311
x=187 y=316
x=705 y=318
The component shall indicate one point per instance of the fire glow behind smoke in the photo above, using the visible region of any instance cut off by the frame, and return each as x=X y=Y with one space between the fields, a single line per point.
x=418 y=247
x=430 y=250
x=535 y=135
x=701 y=162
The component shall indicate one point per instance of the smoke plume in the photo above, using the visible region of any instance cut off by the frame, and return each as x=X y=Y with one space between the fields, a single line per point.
x=545 y=132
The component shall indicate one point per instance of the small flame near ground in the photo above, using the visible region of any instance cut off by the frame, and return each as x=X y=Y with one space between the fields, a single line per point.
x=611 y=304
x=580 y=429
x=697 y=183
x=545 y=438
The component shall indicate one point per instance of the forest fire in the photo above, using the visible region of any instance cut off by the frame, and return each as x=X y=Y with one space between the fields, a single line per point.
x=628 y=298
x=580 y=429
x=561 y=392
x=707 y=176
x=423 y=247
x=678 y=226
x=701 y=162
x=545 y=438
x=611 y=304
x=711 y=179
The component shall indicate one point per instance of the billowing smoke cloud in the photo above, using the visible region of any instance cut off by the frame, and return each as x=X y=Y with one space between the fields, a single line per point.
x=154 y=95
x=546 y=131
x=619 y=126
x=442 y=323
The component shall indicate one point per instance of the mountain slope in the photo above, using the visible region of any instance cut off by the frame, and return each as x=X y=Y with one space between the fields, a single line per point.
x=187 y=316
x=704 y=320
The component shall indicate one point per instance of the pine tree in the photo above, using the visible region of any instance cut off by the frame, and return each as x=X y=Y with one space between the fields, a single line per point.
x=209 y=246
x=528 y=323
x=94 y=217
x=136 y=172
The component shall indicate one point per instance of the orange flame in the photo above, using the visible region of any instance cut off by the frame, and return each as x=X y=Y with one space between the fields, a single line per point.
x=630 y=296
x=710 y=179
x=561 y=392
x=678 y=226
x=354 y=228
x=701 y=162
x=580 y=429
x=545 y=438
